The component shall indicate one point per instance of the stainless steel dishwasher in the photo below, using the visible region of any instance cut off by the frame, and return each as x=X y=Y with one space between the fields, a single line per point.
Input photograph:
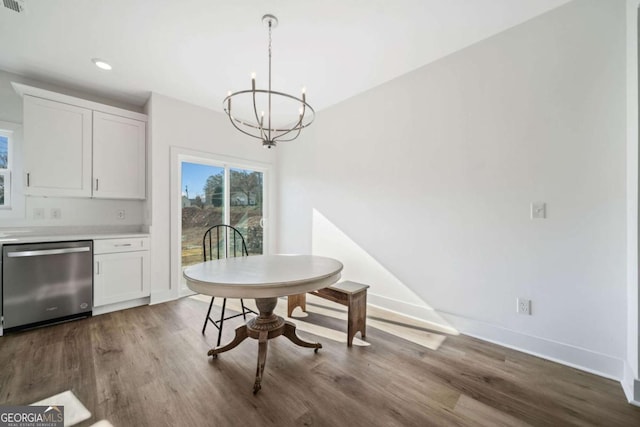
x=45 y=283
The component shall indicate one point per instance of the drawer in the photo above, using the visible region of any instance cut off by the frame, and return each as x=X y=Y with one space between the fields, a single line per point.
x=109 y=246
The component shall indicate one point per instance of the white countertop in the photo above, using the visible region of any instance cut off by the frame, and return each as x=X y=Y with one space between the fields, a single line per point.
x=60 y=234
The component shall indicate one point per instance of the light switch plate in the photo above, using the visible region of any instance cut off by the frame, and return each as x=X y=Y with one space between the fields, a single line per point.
x=538 y=210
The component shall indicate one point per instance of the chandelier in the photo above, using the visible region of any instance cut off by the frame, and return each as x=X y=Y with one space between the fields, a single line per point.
x=285 y=117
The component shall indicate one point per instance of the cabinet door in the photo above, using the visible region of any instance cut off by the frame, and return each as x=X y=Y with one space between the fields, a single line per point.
x=57 y=148
x=119 y=157
x=120 y=277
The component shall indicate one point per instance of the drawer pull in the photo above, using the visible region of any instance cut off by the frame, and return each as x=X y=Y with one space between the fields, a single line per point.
x=122 y=244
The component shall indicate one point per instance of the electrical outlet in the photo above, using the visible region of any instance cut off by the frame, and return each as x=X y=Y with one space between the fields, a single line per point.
x=538 y=210
x=524 y=306
x=121 y=214
x=56 y=213
x=38 y=213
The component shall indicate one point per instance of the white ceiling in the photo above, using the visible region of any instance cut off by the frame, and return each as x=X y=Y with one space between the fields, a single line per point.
x=197 y=50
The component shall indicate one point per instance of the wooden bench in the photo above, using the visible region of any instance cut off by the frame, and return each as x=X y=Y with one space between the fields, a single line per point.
x=351 y=294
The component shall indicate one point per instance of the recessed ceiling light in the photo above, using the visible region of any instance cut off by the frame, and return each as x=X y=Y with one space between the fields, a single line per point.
x=101 y=63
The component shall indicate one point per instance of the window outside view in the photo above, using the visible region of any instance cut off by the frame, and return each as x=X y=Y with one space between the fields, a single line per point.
x=4 y=165
x=204 y=204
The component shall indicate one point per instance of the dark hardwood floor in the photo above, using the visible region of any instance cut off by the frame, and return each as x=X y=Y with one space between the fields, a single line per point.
x=148 y=367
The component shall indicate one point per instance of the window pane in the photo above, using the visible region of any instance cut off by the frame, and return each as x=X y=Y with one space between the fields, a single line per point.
x=202 y=206
x=1 y=190
x=4 y=152
x=246 y=206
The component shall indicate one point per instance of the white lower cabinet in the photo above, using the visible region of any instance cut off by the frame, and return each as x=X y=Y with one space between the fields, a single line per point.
x=120 y=270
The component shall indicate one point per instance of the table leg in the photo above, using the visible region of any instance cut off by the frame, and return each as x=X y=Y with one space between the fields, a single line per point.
x=263 y=339
x=241 y=335
x=290 y=332
x=263 y=328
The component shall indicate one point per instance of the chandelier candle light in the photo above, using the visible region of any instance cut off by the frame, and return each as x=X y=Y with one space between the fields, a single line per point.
x=272 y=127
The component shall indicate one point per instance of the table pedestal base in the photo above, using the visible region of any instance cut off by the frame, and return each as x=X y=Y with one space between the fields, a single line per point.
x=263 y=328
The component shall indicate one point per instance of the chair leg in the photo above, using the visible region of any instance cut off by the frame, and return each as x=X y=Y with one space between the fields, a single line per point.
x=206 y=319
x=224 y=304
x=244 y=310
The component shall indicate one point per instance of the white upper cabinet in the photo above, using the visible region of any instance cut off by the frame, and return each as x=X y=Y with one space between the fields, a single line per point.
x=57 y=148
x=79 y=148
x=119 y=157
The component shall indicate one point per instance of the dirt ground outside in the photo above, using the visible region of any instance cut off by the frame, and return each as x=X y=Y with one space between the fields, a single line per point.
x=196 y=220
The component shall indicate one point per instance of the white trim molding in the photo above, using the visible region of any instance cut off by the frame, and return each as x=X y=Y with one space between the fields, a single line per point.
x=630 y=381
x=22 y=89
x=631 y=385
x=120 y=306
x=565 y=354
x=576 y=357
x=16 y=206
x=163 y=296
x=180 y=154
x=419 y=312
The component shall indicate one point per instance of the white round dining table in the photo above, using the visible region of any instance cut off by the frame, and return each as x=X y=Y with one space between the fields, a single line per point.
x=264 y=278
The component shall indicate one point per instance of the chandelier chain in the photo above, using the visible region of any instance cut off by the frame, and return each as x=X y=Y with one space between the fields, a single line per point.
x=274 y=130
x=270 y=24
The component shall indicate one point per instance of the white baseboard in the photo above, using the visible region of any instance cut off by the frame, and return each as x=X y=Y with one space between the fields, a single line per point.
x=631 y=385
x=565 y=354
x=576 y=357
x=420 y=312
x=186 y=292
x=120 y=306
x=164 y=296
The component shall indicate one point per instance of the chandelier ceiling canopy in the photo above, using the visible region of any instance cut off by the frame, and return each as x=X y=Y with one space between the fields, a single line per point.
x=266 y=114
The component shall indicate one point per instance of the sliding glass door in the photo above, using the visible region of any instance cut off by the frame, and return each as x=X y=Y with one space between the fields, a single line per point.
x=200 y=210
x=246 y=206
x=218 y=193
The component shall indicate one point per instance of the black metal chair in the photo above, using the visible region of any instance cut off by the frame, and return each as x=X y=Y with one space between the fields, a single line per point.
x=223 y=241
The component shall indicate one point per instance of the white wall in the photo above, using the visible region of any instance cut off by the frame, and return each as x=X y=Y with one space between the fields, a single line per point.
x=75 y=211
x=179 y=126
x=432 y=174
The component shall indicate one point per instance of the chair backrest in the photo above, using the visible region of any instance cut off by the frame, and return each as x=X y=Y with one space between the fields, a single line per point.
x=223 y=241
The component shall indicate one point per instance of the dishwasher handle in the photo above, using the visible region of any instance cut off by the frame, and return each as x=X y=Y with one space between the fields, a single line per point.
x=48 y=252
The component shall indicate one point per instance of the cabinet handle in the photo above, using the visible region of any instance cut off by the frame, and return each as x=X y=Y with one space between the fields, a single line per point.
x=122 y=244
x=28 y=179
x=98 y=267
x=96 y=184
